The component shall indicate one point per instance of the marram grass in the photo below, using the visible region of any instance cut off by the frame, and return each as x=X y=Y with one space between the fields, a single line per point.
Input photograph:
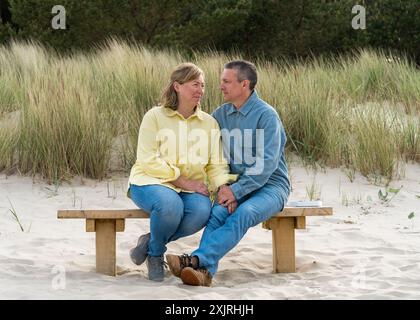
x=360 y=111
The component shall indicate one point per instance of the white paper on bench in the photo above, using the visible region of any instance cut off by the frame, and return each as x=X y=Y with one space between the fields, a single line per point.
x=304 y=203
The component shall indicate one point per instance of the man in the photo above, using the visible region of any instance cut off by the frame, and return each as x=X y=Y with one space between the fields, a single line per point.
x=253 y=138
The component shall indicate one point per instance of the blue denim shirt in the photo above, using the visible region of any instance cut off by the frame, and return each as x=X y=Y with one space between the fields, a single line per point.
x=253 y=142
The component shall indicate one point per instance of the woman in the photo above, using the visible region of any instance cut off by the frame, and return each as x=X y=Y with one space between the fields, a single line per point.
x=179 y=158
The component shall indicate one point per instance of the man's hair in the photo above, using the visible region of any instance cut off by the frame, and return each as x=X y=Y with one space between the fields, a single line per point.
x=246 y=71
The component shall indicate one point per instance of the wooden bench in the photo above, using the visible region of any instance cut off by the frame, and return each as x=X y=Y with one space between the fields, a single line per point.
x=106 y=223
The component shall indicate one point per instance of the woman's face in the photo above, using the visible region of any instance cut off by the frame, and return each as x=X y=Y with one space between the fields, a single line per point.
x=191 y=92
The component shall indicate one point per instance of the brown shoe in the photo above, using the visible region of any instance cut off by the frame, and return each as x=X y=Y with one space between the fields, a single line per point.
x=199 y=277
x=177 y=263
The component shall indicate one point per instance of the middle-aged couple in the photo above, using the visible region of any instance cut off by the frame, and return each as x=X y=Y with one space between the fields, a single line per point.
x=180 y=162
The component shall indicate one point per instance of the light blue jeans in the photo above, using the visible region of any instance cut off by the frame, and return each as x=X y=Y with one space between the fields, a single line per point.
x=224 y=231
x=172 y=215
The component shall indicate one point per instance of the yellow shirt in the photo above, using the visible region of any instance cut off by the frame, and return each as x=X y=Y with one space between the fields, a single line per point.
x=170 y=145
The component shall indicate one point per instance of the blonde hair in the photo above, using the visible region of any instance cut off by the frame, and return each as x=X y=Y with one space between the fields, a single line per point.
x=183 y=73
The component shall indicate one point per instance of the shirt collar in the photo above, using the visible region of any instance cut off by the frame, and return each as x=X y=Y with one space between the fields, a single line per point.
x=247 y=106
x=197 y=113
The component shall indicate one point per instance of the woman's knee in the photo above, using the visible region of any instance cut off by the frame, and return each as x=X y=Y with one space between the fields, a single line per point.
x=204 y=210
x=166 y=216
x=158 y=200
x=201 y=218
x=198 y=219
x=169 y=211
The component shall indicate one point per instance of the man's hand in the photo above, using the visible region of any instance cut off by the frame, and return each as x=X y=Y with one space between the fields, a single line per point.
x=225 y=196
x=232 y=207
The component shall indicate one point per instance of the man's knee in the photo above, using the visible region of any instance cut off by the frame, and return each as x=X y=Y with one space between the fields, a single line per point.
x=259 y=208
x=247 y=215
x=218 y=216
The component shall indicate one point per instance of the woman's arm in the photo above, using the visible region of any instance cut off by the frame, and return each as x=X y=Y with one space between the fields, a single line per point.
x=147 y=151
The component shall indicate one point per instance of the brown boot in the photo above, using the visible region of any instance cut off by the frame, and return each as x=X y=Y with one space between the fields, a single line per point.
x=199 y=277
x=177 y=263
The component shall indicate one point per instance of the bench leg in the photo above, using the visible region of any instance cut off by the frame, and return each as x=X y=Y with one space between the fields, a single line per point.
x=283 y=244
x=105 y=246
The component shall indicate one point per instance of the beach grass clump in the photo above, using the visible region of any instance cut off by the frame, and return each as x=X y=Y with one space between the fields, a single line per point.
x=360 y=110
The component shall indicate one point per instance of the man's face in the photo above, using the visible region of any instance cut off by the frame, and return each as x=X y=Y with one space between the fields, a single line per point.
x=231 y=88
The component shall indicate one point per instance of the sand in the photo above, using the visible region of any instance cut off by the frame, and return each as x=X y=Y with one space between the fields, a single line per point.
x=369 y=248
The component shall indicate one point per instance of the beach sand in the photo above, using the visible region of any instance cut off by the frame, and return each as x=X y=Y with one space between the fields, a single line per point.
x=369 y=248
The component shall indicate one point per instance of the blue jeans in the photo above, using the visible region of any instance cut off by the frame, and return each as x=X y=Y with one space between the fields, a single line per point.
x=172 y=215
x=224 y=231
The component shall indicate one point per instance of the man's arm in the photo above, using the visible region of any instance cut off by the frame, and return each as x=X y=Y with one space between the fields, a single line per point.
x=269 y=157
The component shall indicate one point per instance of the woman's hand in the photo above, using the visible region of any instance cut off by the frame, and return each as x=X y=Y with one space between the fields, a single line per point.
x=191 y=185
x=198 y=186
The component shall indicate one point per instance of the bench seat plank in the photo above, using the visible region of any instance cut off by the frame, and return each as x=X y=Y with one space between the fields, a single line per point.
x=102 y=214
x=304 y=211
x=139 y=213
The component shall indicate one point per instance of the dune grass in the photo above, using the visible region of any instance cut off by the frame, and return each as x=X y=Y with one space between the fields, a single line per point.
x=360 y=111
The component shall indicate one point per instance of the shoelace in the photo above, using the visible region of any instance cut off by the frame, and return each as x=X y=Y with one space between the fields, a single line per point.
x=205 y=271
x=158 y=261
x=186 y=260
